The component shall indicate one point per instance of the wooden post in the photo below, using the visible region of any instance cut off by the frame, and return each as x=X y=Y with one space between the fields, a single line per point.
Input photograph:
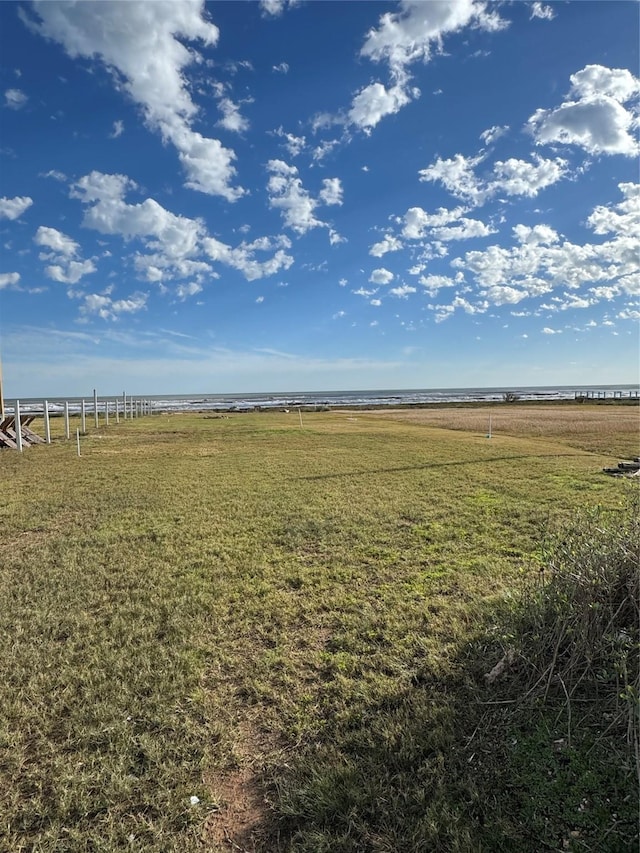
x=18 y=426
x=78 y=440
x=106 y=413
x=67 y=434
x=124 y=406
x=83 y=417
x=95 y=407
x=117 y=404
x=47 y=425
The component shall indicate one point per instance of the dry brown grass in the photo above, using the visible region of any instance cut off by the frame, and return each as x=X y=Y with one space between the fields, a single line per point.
x=611 y=430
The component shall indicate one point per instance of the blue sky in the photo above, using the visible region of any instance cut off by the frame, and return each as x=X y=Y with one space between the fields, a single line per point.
x=240 y=196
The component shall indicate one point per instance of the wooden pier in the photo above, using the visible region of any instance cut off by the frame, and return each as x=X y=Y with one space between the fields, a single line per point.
x=607 y=395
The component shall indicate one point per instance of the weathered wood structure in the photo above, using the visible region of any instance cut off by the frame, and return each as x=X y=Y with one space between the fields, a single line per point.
x=15 y=432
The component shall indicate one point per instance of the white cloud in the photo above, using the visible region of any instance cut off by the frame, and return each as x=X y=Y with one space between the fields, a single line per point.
x=403 y=291
x=541 y=261
x=374 y=102
x=491 y=134
x=410 y=35
x=12 y=208
x=183 y=291
x=389 y=243
x=331 y=192
x=326 y=147
x=375 y=302
x=417 y=222
x=416 y=31
x=294 y=144
x=9 y=279
x=457 y=176
x=294 y=202
x=518 y=177
x=15 y=99
x=177 y=244
x=51 y=238
x=231 y=117
x=65 y=266
x=118 y=129
x=548 y=331
x=434 y=283
x=381 y=276
x=281 y=68
x=110 y=309
x=139 y=41
x=275 y=8
x=539 y=10
x=71 y=272
x=594 y=116
x=512 y=177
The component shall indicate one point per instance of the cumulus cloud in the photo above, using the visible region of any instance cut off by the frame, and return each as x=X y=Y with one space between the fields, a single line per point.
x=232 y=119
x=110 y=309
x=15 y=99
x=177 y=247
x=511 y=177
x=118 y=129
x=184 y=291
x=139 y=42
x=412 y=34
x=381 y=276
x=331 y=192
x=389 y=243
x=491 y=134
x=12 y=208
x=65 y=267
x=59 y=243
x=9 y=279
x=541 y=261
x=294 y=144
x=374 y=102
x=295 y=203
x=594 y=116
x=403 y=291
x=539 y=10
x=275 y=8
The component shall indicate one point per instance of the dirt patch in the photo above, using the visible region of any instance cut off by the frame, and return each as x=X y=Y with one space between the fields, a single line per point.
x=242 y=809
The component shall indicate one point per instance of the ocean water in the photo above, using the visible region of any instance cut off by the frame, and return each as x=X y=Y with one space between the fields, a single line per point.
x=351 y=399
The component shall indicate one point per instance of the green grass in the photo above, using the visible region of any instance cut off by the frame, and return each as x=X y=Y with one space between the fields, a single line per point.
x=288 y=624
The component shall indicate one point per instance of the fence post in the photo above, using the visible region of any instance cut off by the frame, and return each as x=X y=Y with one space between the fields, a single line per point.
x=18 y=426
x=83 y=417
x=117 y=405
x=124 y=405
x=95 y=407
x=47 y=425
x=67 y=434
x=106 y=413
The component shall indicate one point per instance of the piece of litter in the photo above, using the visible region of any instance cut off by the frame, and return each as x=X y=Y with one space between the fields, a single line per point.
x=194 y=800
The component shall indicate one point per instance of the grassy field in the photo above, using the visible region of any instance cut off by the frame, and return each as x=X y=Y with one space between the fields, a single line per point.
x=293 y=625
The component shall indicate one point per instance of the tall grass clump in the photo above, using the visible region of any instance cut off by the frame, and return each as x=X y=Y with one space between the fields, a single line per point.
x=581 y=618
x=565 y=693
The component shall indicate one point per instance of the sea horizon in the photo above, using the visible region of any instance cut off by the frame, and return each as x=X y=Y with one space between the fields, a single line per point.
x=243 y=401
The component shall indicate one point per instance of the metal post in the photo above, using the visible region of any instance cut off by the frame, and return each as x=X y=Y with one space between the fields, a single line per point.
x=67 y=434
x=18 y=426
x=83 y=417
x=47 y=425
x=95 y=407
